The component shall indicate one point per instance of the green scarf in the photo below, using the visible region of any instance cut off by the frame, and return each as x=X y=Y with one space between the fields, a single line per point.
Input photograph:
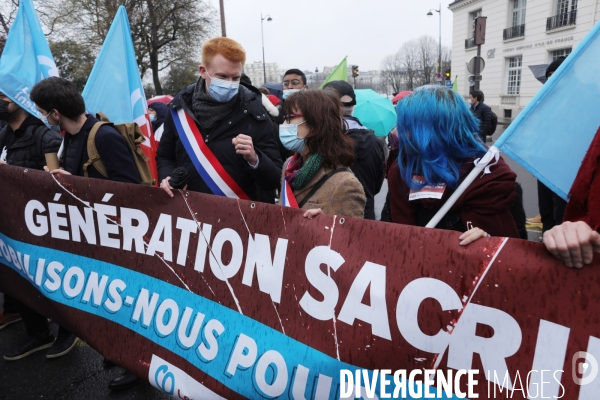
x=308 y=170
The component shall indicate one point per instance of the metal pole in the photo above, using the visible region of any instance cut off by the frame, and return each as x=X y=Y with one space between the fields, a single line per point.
x=263 y=49
x=440 y=44
x=223 y=31
x=476 y=87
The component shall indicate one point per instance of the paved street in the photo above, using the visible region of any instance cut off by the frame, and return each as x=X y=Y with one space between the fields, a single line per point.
x=81 y=375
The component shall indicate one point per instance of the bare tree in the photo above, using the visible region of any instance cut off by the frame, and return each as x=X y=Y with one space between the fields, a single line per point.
x=163 y=31
x=414 y=64
x=8 y=10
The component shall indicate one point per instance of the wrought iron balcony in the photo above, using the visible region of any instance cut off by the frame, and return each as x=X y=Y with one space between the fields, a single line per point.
x=469 y=43
x=561 y=20
x=514 y=32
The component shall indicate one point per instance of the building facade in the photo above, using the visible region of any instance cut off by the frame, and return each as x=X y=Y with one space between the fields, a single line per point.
x=256 y=74
x=519 y=34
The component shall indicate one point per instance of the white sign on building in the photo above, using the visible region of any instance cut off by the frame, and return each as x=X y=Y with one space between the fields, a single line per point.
x=519 y=34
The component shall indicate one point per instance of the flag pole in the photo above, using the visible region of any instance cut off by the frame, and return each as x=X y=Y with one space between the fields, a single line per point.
x=480 y=165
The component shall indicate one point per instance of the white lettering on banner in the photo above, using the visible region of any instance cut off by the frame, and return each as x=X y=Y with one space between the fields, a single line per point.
x=243 y=355
x=221 y=270
x=146 y=306
x=106 y=226
x=187 y=227
x=269 y=271
x=134 y=234
x=165 y=246
x=79 y=224
x=407 y=312
x=279 y=384
x=493 y=351
x=94 y=288
x=74 y=290
x=300 y=380
x=57 y=222
x=321 y=310
x=170 y=310
x=203 y=240
x=172 y=380
x=550 y=353
x=209 y=350
x=37 y=225
x=135 y=227
x=372 y=277
x=114 y=301
x=183 y=339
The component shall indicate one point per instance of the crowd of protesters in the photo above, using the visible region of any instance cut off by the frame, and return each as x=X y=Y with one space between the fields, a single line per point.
x=306 y=145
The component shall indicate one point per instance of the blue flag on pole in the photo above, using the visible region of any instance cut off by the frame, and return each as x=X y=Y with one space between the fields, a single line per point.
x=551 y=135
x=114 y=86
x=26 y=58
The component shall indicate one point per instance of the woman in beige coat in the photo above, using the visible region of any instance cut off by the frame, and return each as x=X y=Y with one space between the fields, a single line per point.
x=318 y=172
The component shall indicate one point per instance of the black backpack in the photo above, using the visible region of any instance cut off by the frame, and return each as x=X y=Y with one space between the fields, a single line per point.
x=494 y=124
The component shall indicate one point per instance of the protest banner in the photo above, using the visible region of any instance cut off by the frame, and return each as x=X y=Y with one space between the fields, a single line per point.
x=209 y=297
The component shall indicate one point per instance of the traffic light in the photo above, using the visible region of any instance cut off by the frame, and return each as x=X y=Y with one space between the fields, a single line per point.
x=448 y=74
x=355 y=71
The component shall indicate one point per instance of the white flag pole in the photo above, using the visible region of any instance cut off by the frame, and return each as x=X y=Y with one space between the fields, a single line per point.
x=480 y=164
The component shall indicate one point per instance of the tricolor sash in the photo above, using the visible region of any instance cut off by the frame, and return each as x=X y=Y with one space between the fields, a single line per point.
x=205 y=162
x=287 y=195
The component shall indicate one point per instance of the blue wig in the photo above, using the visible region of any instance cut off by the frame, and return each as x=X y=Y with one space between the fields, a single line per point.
x=437 y=135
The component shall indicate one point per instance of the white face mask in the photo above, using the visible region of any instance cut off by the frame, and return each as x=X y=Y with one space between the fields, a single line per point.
x=222 y=90
x=44 y=119
x=288 y=134
x=288 y=92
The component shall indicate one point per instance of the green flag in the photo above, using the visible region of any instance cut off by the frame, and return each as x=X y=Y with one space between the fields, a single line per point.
x=340 y=73
x=455 y=84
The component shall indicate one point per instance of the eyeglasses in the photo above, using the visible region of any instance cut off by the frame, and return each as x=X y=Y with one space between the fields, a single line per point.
x=293 y=82
x=288 y=117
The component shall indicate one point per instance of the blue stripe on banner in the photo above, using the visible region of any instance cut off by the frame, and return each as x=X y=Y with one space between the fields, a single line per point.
x=67 y=278
x=188 y=148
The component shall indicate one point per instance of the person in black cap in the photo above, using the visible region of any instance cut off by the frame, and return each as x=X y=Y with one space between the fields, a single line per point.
x=368 y=149
x=552 y=207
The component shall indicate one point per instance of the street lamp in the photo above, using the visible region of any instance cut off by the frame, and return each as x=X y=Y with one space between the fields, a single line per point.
x=268 y=18
x=430 y=14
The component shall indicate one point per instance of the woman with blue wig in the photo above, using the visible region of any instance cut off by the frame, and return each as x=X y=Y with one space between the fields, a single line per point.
x=438 y=145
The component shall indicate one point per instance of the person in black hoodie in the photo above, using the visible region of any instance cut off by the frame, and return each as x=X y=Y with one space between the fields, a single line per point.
x=483 y=112
x=369 y=164
x=232 y=121
x=158 y=112
x=62 y=106
x=27 y=140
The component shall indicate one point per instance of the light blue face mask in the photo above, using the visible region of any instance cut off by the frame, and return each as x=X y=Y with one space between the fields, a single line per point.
x=48 y=124
x=288 y=134
x=152 y=117
x=222 y=90
x=288 y=92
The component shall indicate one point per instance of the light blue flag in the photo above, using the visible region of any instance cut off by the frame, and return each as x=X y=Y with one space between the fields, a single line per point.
x=551 y=135
x=26 y=58
x=114 y=86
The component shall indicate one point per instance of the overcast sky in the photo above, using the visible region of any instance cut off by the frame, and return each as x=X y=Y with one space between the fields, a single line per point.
x=314 y=33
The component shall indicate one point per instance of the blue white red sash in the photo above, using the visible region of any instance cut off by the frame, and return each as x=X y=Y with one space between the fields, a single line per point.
x=287 y=196
x=207 y=165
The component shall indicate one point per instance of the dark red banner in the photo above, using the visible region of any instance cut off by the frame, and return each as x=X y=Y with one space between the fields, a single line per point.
x=209 y=297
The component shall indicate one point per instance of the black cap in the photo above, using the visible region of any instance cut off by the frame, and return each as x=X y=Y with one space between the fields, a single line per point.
x=554 y=65
x=343 y=89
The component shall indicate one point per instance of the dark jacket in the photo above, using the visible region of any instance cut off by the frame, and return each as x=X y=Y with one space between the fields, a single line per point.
x=161 y=113
x=249 y=118
x=485 y=204
x=112 y=147
x=369 y=163
x=26 y=146
x=483 y=112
